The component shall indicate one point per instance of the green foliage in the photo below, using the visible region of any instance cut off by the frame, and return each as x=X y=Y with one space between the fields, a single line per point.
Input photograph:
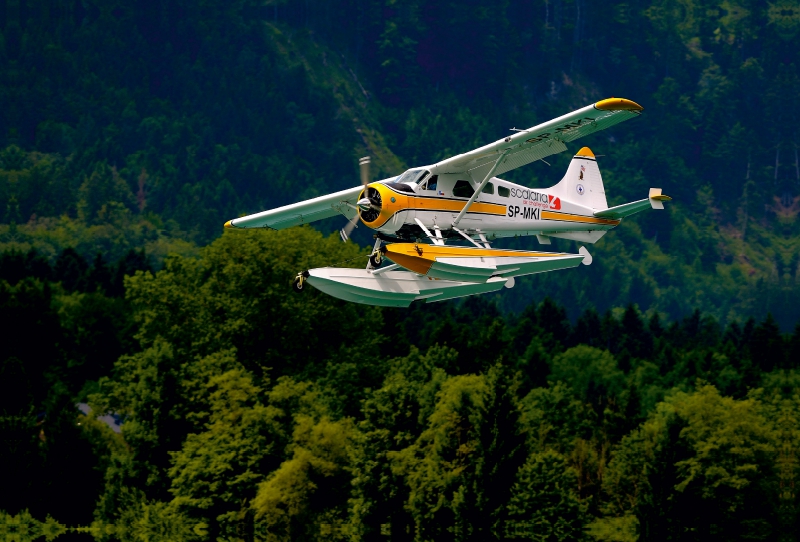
x=544 y=504
x=25 y=528
x=702 y=465
x=311 y=488
x=459 y=470
x=216 y=471
x=591 y=373
x=553 y=418
x=102 y=194
x=532 y=427
x=155 y=521
x=238 y=296
x=393 y=416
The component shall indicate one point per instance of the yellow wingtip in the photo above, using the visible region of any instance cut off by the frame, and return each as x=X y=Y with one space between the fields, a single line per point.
x=661 y=197
x=585 y=151
x=228 y=224
x=618 y=104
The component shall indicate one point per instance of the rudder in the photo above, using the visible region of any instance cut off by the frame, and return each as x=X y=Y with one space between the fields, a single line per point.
x=582 y=184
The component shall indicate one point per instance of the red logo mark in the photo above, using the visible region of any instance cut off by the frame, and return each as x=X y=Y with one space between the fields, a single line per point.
x=555 y=203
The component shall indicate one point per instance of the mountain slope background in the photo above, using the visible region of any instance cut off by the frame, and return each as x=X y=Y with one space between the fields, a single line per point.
x=147 y=125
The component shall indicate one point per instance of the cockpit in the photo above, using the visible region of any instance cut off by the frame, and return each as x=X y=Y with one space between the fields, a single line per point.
x=407 y=181
x=412 y=176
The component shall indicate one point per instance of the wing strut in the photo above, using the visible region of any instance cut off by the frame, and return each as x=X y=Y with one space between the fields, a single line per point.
x=480 y=188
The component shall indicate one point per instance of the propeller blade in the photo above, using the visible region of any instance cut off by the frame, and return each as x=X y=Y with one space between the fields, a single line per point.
x=345 y=232
x=363 y=164
x=364 y=203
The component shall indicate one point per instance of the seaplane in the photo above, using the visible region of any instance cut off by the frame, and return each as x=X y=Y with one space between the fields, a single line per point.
x=419 y=216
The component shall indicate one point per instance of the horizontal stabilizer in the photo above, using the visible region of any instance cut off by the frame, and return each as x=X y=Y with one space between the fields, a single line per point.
x=655 y=201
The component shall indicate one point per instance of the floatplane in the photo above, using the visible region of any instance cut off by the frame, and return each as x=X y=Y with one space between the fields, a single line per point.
x=418 y=215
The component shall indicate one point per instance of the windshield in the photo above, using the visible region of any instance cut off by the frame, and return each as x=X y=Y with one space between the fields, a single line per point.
x=411 y=176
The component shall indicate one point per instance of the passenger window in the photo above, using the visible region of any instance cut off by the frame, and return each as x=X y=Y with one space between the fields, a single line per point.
x=488 y=189
x=432 y=182
x=463 y=189
x=503 y=191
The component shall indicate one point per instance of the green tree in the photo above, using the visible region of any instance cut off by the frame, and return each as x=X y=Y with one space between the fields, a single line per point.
x=701 y=467
x=101 y=190
x=394 y=416
x=144 y=391
x=307 y=495
x=443 y=468
x=215 y=474
x=544 y=501
x=591 y=373
x=239 y=295
x=767 y=349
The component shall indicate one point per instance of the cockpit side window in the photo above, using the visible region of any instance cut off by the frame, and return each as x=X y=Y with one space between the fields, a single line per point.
x=433 y=182
x=488 y=189
x=463 y=189
x=411 y=176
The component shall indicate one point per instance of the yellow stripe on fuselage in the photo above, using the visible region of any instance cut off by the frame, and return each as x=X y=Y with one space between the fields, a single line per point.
x=411 y=202
x=550 y=215
x=422 y=203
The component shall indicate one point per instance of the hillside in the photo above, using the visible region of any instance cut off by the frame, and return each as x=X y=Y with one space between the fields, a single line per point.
x=146 y=126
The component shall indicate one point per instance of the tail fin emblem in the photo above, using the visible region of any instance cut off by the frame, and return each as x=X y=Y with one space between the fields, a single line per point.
x=555 y=202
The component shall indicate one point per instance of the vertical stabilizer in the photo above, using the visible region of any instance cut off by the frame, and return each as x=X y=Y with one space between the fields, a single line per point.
x=582 y=183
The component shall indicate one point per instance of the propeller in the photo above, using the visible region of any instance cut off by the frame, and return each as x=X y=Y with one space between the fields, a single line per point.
x=363 y=204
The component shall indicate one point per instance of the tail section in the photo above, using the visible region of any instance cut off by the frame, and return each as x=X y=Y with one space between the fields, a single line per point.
x=582 y=183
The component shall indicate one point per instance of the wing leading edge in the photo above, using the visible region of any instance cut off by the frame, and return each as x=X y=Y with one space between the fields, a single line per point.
x=540 y=141
x=303 y=212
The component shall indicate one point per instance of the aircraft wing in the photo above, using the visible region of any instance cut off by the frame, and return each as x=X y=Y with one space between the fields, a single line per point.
x=302 y=212
x=540 y=141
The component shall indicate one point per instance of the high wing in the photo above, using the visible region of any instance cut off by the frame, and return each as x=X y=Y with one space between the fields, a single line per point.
x=540 y=141
x=302 y=212
x=518 y=150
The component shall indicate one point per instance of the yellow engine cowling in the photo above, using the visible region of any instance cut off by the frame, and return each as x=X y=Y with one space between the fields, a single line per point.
x=391 y=203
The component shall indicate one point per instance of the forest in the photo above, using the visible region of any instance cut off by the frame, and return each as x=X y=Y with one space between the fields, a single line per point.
x=445 y=421
x=654 y=395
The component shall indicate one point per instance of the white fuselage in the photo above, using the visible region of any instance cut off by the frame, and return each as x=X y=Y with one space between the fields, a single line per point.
x=503 y=209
